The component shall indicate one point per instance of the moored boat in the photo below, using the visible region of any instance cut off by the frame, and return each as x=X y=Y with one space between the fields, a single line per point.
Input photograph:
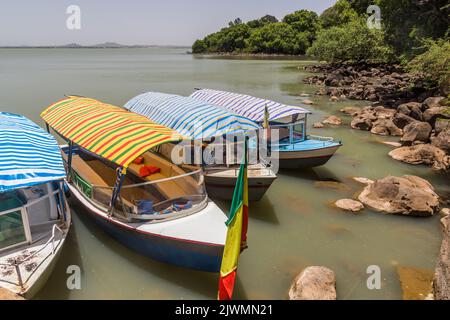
x=142 y=200
x=34 y=214
x=294 y=148
x=206 y=122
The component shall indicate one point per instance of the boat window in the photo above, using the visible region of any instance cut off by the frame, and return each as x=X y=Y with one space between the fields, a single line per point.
x=11 y=225
x=299 y=131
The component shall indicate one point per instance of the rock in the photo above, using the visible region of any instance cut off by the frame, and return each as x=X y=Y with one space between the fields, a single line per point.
x=308 y=102
x=441 y=125
x=314 y=283
x=363 y=180
x=350 y=110
x=402 y=120
x=441 y=281
x=8 y=295
x=422 y=154
x=318 y=125
x=304 y=95
x=416 y=283
x=445 y=212
x=349 y=205
x=392 y=144
x=442 y=141
x=333 y=120
x=334 y=99
x=407 y=195
x=386 y=127
x=361 y=123
x=416 y=131
x=432 y=102
x=412 y=109
x=384 y=113
x=332 y=185
x=430 y=115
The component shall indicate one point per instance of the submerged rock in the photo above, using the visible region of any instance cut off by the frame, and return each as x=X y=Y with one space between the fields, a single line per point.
x=416 y=283
x=422 y=154
x=407 y=195
x=392 y=144
x=441 y=281
x=349 y=205
x=308 y=102
x=318 y=125
x=333 y=120
x=363 y=180
x=314 y=283
x=416 y=131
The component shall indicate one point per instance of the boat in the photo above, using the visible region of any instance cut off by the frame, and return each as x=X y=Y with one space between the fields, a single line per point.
x=34 y=214
x=206 y=122
x=294 y=148
x=145 y=202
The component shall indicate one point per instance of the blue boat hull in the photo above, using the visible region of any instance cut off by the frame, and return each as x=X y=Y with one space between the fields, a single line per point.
x=307 y=154
x=179 y=252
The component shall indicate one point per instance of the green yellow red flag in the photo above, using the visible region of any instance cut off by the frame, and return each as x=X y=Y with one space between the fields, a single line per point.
x=237 y=233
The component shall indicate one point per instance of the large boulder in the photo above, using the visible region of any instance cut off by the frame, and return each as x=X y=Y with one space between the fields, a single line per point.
x=314 y=283
x=386 y=127
x=407 y=195
x=441 y=282
x=441 y=125
x=442 y=141
x=402 y=120
x=384 y=113
x=416 y=131
x=422 y=154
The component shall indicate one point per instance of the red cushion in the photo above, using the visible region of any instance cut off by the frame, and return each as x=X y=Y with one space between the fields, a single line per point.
x=138 y=160
x=153 y=169
x=144 y=172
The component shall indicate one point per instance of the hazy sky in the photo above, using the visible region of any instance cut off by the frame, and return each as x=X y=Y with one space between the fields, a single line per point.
x=164 y=22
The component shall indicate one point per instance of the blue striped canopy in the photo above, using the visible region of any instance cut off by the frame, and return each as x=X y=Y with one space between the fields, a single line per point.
x=191 y=118
x=28 y=155
x=247 y=106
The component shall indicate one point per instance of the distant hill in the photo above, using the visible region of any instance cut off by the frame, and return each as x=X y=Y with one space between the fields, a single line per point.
x=105 y=45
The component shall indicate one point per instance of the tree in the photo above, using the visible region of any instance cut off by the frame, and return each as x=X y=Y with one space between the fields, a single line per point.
x=434 y=64
x=199 y=46
x=235 y=22
x=351 y=42
x=277 y=37
x=258 y=23
x=339 y=14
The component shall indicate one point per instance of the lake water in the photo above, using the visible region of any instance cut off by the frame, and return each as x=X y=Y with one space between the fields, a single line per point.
x=294 y=226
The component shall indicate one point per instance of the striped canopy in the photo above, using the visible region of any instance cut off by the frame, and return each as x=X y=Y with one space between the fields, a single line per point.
x=28 y=155
x=247 y=106
x=190 y=117
x=108 y=131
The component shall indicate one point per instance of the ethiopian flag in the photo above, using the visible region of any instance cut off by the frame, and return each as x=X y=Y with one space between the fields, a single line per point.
x=237 y=233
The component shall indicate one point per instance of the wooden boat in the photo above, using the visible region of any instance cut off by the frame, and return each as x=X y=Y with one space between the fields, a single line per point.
x=34 y=214
x=164 y=214
x=295 y=148
x=205 y=122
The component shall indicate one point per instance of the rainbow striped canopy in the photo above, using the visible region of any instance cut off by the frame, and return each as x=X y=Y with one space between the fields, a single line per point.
x=108 y=131
x=248 y=106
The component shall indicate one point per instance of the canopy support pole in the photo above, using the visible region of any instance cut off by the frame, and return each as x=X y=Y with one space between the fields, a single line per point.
x=69 y=161
x=121 y=171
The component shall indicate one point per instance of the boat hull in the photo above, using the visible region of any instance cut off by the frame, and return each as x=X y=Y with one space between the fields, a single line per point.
x=180 y=252
x=222 y=188
x=307 y=158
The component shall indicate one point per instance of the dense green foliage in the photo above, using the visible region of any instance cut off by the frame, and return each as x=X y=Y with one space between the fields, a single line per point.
x=341 y=34
x=434 y=63
x=353 y=42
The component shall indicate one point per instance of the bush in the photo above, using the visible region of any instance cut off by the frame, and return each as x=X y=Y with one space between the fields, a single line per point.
x=434 y=64
x=351 y=42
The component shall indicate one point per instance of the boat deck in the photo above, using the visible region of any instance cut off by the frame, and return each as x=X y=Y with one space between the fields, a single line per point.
x=308 y=145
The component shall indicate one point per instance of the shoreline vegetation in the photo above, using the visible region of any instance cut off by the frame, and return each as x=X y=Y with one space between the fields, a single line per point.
x=402 y=71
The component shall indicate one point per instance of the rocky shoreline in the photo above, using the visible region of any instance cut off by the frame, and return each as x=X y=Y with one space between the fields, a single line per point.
x=400 y=105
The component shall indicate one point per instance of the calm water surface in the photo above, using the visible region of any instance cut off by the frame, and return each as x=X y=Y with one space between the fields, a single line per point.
x=292 y=227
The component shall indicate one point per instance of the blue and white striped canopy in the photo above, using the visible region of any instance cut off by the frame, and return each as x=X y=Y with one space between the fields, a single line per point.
x=191 y=118
x=247 y=106
x=28 y=155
